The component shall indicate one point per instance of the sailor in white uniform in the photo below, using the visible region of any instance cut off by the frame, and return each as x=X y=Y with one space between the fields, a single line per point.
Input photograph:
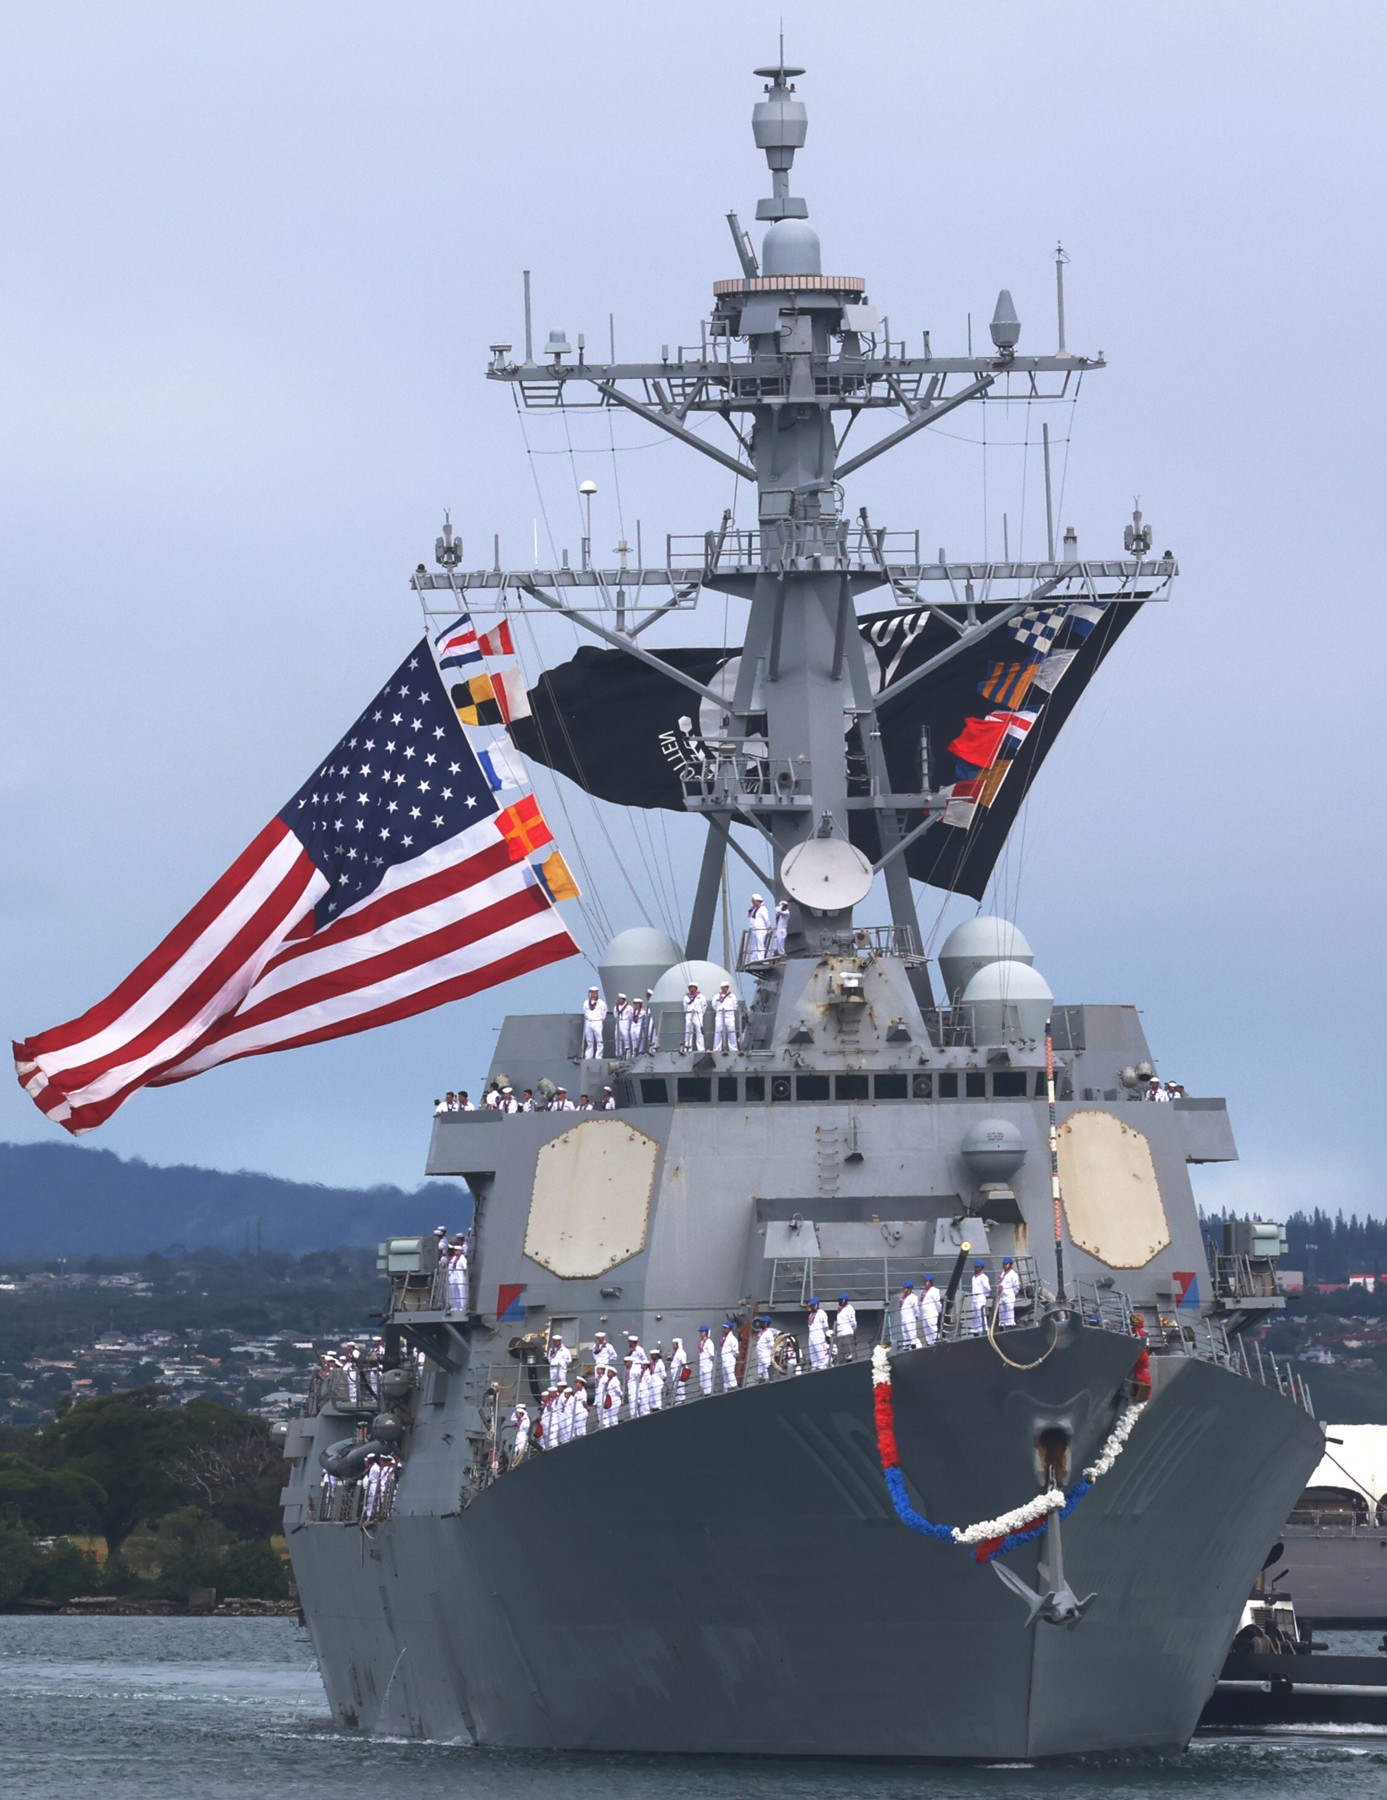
x=730 y=1347
x=457 y=1276
x=608 y=1400
x=561 y=1101
x=594 y=1012
x=910 y=1317
x=520 y=1424
x=607 y=1103
x=765 y=1349
x=931 y=1310
x=758 y=929
x=678 y=1369
x=1008 y=1293
x=660 y=1370
x=603 y=1355
x=560 y=1356
x=725 y=1008
x=638 y=1029
x=982 y=1293
x=580 y=1410
x=707 y=1358
x=845 y=1329
x=695 y=1011
x=820 y=1355
x=621 y=1027
x=781 y=927
x=636 y=1360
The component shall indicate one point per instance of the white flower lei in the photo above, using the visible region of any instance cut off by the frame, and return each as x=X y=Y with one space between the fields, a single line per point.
x=1034 y=1510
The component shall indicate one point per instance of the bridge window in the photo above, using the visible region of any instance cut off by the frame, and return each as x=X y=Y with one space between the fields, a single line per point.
x=975 y=1085
x=654 y=1091
x=755 y=1087
x=850 y=1087
x=1009 y=1084
x=727 y=1087
x=891 y=1087
x=693 y=1087
x=948 y=1085
x=811 y=1087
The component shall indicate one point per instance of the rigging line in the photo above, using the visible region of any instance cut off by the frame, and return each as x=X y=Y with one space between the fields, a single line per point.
x=595 y=810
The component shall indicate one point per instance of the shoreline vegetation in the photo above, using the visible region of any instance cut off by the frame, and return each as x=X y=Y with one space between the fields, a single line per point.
x=113 y=1606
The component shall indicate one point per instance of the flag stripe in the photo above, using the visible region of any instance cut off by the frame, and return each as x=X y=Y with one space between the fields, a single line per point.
x=147 y=991
x=221 y=984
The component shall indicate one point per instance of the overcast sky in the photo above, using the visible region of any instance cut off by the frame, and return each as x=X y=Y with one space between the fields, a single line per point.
x=254 y=255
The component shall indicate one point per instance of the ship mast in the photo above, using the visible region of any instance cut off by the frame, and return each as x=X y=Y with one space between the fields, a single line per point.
x=789 y=351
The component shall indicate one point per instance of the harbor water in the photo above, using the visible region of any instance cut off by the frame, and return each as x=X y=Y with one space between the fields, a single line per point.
x=232 y=1709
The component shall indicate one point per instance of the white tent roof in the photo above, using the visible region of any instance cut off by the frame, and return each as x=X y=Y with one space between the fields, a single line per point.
x=1358 y=1461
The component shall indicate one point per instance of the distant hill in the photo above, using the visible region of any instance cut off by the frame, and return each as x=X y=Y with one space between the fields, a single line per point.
x=63 y=1200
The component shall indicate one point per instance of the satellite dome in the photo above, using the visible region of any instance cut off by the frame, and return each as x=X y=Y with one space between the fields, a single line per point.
x=975 y=943
x=1007 y=1000
x=634 y=961
x=993 y=1150
x=790 y=247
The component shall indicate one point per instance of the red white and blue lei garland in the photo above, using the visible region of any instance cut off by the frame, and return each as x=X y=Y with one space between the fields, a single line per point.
x=988 y=1537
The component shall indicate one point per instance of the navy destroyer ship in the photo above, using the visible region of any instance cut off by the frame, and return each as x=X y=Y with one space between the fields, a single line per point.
x=1018 y=1520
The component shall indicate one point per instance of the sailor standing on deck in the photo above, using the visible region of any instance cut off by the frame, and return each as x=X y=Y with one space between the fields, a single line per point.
x=758 y=929
x=635 y=1365
x=910 y=1317
x=730 y=1347
x=845 y=1329
x=580 y=1409
x=520 y=1424
x=982 y=1293
x=678 y=1369
x=457 y=1276
x=781 y=928
x=594 y=1012
x=765 y=1349
x=560 y=1356
x=707 y=1357
x=695 y=1011
x=819 y=1354
x=931 y=1310
x=725 y=1008
x=1008 y=1293
x=638 y=1029
x=621 y=1029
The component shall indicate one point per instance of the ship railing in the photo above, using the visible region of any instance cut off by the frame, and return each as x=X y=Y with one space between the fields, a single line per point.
x=1244 y=1277
x=1259 y=1365
x=351 y=1391
x=425 y=1291
x=720 y=776
x=758 y=948
x=347 y=1502
x=877 y=1282
x=846 y=544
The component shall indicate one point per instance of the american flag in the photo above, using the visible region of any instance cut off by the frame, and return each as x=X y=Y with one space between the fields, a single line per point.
x=390 y=883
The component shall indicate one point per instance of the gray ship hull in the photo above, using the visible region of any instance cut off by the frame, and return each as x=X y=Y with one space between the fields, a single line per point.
x=730 y=1577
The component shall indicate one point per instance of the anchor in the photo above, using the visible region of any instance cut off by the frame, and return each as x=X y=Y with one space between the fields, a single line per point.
x=1058 y=1604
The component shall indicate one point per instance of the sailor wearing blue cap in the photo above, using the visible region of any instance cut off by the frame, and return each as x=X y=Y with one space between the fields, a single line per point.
x=910 y=1317
x=765 y=1349
x=707 y=1356
x=819 y=1354
x=845 y=1329
x=982 y=1293
x=730 y=1347
x=1008 y=1293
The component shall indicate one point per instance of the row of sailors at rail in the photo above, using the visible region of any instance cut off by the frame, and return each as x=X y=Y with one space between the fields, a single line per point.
x=377 y=1482
x=633 y=1035
x=921 y=1310
x=502 y=1098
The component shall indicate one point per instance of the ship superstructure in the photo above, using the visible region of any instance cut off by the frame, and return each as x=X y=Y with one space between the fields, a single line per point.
x=874 y=1128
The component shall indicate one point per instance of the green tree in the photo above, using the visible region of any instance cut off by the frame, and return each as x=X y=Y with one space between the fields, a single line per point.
x=49 y=1500
x=253 y=1571
x=21 y=1566
x=126 y=1443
